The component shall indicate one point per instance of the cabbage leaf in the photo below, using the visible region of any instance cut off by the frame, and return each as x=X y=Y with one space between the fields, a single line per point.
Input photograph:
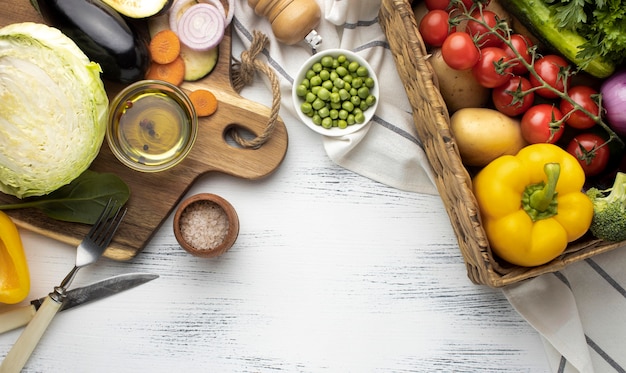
x=53 y=110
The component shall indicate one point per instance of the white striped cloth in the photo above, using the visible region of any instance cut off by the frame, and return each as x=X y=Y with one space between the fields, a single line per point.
x=580 y=312
x=389 y=150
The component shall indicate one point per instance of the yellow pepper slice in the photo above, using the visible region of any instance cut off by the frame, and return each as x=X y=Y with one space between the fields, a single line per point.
x=532 y=204
x=14 y=274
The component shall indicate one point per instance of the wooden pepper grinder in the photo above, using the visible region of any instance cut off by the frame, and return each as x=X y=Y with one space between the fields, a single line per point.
x=292 y=20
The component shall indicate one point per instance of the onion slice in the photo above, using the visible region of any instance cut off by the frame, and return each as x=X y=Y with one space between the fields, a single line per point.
x=176 y=11
x=201 y=27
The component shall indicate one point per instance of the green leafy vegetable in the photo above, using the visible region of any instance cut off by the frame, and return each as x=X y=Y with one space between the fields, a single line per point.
x=602 y=23
x=82 y=200
x=53 y=110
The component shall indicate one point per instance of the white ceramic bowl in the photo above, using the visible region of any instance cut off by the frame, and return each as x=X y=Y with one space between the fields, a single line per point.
x=297 y=100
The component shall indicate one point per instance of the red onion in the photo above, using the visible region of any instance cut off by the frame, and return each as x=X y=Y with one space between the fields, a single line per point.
x=201 y=27
x=614 y=101
x=175 y=13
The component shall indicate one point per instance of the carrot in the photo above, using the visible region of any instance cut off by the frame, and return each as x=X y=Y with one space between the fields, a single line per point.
x=204 y=102
x=164 y=47
x=173 y=72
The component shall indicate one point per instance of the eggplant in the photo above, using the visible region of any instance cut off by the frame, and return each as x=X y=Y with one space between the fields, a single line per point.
x=102 y=34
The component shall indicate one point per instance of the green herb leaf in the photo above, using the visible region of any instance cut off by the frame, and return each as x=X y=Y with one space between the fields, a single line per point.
x=80 y=201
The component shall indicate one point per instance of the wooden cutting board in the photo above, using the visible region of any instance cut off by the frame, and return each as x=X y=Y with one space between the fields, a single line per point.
x=155 y=195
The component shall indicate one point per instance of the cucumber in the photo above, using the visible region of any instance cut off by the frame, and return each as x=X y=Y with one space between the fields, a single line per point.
x=535 y=15
x=102 y=34
x=140 y=8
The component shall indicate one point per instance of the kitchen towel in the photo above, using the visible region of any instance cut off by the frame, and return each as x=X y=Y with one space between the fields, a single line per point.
x=388 y=150
x=580 y=313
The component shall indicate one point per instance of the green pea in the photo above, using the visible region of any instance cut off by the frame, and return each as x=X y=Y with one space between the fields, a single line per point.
x=357 y=82
x=344 y=94
x=315 y=80
x=323 y=112
x=317 y=67
x=363 y=105
x=343 y=114
x=362 y=71
x=334 y=114
x=353 y=92
x=327 y=122
x=327 y=84
x=335 y=97
x=347 y=105
x=318 y=104
x=301 y=90
x=342 y=71
x=348 y=78
x=310 y=97
x=306 y=107
x=353 y=66
x=327 y=61
x=369 y=82
x=355 y=100
x=323 y=94
x=310 y=73
x=359 y=117
x=370 y=100
x=350 y=120
x=324 y=74
x=333 y=75
x=336 y=105
x=341 y=58
x=363 y=92
x=342 y=124
x=317 y=119
x=339 y=83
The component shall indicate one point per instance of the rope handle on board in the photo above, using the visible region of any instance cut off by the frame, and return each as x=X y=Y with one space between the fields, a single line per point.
x=242 y=74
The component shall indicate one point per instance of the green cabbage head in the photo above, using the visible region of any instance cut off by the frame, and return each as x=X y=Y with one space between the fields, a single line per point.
x=53 y=110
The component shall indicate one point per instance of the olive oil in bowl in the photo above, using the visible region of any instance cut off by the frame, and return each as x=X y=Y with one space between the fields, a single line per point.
x=152 y=126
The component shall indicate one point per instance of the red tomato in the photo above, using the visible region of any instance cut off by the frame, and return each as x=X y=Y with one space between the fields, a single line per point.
x=591 y=152
x=459 y=51
x=583 y=96
x=437 y=4
x=487 y=72
x=538 y=124
x=434 y=27
x=484 y=35
x=521 y=44
x=551 y=69
x=510 y=98
x=469 y=3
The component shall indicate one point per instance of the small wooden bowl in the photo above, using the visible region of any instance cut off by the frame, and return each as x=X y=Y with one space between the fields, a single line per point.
x=206 y=225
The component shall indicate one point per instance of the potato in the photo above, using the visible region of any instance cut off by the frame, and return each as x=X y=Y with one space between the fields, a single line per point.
x=483 y=135
x=459 y=89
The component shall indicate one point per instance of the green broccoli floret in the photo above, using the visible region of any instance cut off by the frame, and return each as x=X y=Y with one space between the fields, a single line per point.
x=609 y=210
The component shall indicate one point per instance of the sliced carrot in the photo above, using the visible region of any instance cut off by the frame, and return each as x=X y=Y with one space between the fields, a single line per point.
x=204 y=102
x=164 y=47
x=173 y=72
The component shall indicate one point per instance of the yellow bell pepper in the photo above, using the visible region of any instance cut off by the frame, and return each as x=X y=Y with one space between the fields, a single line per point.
x=14 y=274
x=532 y=204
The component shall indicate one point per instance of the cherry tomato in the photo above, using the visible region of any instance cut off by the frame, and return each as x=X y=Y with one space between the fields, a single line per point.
x=469 y=3
x=551 y=69
x=434 y=27
x=583 y=96
x=459 y=51
x=483 y=34
x=437 y=4
x=538 y=124
x=521 y=44
x=487 y=72
x=513 y=97
x=592 y=155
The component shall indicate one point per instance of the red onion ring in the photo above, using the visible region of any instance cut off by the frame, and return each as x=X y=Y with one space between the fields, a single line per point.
x=201 y=27
x=174 y=13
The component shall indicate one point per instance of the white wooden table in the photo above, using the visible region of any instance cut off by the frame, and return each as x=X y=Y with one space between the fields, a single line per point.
x=331 y=272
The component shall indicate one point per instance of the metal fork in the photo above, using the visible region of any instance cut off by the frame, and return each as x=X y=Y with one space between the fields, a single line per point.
x=87 y=252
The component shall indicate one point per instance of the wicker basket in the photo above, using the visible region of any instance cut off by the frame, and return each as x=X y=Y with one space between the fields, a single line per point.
x=453 y=181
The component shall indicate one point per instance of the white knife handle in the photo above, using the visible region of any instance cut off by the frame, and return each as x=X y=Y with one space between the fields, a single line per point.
x=27 y=341
x=16 y=318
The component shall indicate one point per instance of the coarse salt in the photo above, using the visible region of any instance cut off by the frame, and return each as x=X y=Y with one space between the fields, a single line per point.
x=204 y=225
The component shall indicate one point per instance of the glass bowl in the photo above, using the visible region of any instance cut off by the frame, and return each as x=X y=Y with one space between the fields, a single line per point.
x=152 y=126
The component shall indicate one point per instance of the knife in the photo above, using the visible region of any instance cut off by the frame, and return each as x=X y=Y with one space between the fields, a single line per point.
x=75 y=297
